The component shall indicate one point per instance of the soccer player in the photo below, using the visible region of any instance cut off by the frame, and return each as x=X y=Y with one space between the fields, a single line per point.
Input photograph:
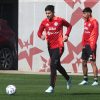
x=89 y=42
x=53 y=26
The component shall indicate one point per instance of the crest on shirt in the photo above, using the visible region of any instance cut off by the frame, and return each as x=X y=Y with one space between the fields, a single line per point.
x=56 y=24
x=89 y=24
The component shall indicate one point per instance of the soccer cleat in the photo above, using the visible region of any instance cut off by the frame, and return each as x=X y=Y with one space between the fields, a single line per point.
x=95 y=83
x=83 y=82
x=49 y=90
x=69 y=83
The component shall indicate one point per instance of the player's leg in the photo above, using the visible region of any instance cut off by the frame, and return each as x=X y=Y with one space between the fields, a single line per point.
x=54 y=60
x=95 y=72
x=85 y=70
x=53 y=71
x=85 y=57
x=66 y=76
x=62 y=70
x=85 y=73
x=95 y=69
x=59 y=67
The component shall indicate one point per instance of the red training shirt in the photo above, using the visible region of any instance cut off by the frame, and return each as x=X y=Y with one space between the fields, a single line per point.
x=54 y=31
x=90 y=34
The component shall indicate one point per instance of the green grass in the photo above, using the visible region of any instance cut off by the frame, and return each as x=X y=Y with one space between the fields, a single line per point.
x=32 y=87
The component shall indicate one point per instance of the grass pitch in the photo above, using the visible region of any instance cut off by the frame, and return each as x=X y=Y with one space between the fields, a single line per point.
x=32 y=87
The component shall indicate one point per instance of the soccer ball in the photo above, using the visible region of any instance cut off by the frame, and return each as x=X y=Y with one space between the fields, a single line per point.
x=10 y=89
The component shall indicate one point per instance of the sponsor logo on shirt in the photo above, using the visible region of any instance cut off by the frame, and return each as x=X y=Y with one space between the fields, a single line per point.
x=52 y=28
x=89 y=24
x=50 y=33
x=86 y=30
x=56 y=24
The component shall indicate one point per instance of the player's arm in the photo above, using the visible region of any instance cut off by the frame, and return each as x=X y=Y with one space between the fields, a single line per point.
x=94 y=35
x=40 y=31
x=69 y=27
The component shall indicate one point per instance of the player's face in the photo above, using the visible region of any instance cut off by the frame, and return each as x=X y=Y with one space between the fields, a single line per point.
x=86 y=15
x=49 y=14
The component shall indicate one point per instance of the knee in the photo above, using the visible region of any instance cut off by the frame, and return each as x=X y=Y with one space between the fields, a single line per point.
x=54 y=62
x=84 y=63
x=93 y=63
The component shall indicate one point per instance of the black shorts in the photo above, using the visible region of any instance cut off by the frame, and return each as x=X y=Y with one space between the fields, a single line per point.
x=88 y=54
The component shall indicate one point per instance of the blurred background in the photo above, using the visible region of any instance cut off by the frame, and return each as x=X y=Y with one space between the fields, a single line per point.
x=8 y=34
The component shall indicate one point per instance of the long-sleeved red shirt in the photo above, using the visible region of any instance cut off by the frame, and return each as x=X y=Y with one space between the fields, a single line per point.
x=54 y=31
x=90 y=34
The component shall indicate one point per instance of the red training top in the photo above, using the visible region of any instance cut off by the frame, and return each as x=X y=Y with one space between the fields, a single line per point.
x=54 y=31
x=90 y=34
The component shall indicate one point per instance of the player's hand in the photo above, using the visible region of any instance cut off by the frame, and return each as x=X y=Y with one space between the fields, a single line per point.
x=43 y=37
x=65 y=38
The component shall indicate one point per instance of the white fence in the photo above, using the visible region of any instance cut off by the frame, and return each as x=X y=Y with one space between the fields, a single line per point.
x=33 y=54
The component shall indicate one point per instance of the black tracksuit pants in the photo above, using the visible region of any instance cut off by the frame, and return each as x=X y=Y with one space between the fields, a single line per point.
x=55 y=65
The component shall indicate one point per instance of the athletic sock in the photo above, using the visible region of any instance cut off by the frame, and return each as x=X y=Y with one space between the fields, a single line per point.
x=96 y=78
x=85 y=78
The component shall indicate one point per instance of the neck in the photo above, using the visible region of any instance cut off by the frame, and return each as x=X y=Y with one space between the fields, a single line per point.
x=88 y=18
x=51 y=18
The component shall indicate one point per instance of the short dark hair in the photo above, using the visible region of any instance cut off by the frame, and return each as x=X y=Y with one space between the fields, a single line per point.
x=49 y=7
x=87 y=9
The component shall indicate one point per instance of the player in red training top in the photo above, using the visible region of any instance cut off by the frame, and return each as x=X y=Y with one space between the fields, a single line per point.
x=53 y=26
x=89 y=42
